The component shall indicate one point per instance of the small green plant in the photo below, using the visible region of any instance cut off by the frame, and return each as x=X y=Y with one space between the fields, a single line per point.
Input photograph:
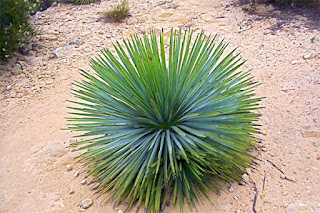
x=165 y=125
x=119 y=11
x=14 y=26
x=313 y=39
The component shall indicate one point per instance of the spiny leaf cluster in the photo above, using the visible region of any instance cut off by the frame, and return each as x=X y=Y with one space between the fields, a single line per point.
x=165 y=123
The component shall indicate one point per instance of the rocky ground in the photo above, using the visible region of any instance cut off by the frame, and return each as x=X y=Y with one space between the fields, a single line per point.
x=38 y=169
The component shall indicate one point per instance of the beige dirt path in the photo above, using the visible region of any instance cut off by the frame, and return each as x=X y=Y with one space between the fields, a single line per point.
x=283 y=53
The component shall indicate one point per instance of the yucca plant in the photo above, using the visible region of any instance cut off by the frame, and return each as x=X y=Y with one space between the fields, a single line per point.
x=165 y=123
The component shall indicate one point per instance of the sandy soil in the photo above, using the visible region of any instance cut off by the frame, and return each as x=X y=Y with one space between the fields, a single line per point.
x=281 y=47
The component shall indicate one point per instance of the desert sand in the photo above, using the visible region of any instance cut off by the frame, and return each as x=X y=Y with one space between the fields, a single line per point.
x=281 y=47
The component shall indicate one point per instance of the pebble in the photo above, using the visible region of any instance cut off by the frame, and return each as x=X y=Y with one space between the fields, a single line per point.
x=231 y=189
x=8 y=87
x=120 y=211
x=64 y=60
x=282 y=176
x=24 y=49
x=69 y=167
x=76 y=174
x=54 y=55
x=36 y=46
x=86 y=203
x=71 y=191
x=83 y=182
x=206 y=17
x=160 y=2
x=307 y=56
x=76 y=42
x=264 y=149
x=19 y=66
x=87 y=50
x=73 y=140
x=132 y=21
x=236 y=198
x=15 y=72
x=300 y=207
x=294 y=62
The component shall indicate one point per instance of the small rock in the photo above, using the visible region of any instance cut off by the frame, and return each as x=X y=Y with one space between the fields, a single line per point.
x=86 y=203
x=8 y=87
x=231 y=189
x=307 y=56
x=238 y=211
x=71 y=191
x=83 y=182
x=285 y=193
x=36 y=46
x=54 y=4
x=108 y=36
x=53 y=55
x=308 y=134
x=294 y=62
x=23 y=64
x=19 y=66
x=236 y=198
x=24 y=49
x=206 y=17
x=165 y=15
x=76 y=174
x=160 y=2
x=64 y=60
x=225 y=207
x=87 y=50
x=72 y=140
x=120 y=211
x=264 y=149
x=76 y=42
x=69 y=167
x=50 y=38
x=82 y=210
x=299 y=206
x=132 y=21
x=282 y=176
x=15 y=71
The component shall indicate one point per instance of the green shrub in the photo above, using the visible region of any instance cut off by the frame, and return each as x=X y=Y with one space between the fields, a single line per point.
x=314 y=4
x=119 y=11
x=165 y=126
x=14 y=26
x=39 y=5
x=299 y=3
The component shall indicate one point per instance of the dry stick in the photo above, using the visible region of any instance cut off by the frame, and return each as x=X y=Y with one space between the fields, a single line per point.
x=264 y=180
x=275 y=166
x=249 y=28
x=255 y=196
x=285 y=177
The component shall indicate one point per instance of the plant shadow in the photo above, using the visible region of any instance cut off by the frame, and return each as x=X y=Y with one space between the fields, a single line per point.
x=284 y=14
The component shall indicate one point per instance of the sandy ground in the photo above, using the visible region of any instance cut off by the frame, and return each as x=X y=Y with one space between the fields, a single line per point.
x=282 y=48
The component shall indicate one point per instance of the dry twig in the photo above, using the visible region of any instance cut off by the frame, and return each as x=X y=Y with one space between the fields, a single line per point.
x=275 y=166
